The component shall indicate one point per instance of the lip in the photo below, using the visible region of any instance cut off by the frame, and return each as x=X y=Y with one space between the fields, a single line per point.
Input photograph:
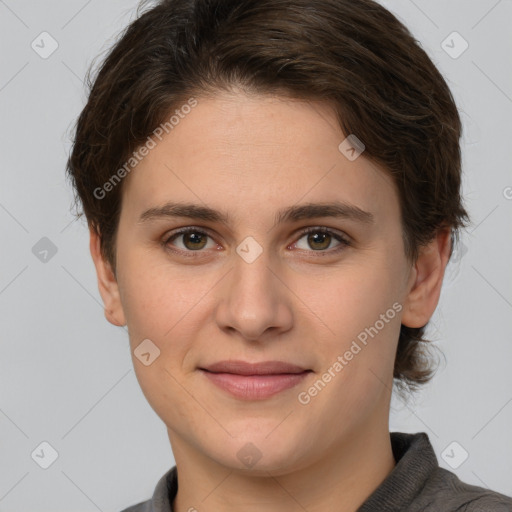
x=244 y=368
x=254 y=381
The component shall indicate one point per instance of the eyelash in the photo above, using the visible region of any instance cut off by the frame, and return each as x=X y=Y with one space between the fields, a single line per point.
x=344 y=242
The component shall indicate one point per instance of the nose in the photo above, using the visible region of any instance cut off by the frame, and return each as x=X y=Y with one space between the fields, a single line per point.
x=254 y=299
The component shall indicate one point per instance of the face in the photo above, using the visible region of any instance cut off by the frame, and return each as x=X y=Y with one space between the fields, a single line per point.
x=305 y=265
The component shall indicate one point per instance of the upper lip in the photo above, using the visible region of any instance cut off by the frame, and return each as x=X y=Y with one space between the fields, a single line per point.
x=262 y=368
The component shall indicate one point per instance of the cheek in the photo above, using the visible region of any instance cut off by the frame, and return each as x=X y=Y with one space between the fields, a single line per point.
x=153 y=297
x=361 y=308
x=167 y=306
x=355 y=300
x=358 y=359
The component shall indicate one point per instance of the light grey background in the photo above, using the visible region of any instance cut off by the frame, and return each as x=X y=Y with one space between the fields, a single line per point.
x=66 y=375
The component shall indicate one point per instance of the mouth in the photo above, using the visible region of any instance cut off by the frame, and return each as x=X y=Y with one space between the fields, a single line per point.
x=238 y=367
x=254 y=381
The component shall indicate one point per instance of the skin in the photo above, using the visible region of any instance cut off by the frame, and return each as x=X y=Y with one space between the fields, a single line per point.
x=249 y=156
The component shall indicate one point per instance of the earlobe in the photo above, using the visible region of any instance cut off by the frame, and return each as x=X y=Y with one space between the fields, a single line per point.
x=107 y=282
x=427 y=279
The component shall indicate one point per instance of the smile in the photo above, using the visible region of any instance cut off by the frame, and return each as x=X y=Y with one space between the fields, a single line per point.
x=255 y=387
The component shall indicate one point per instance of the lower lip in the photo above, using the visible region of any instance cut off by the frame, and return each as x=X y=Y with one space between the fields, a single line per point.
x=255 y=387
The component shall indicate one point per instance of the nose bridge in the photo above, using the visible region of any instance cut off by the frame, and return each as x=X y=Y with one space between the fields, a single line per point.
x=254 y=299
x=252 y=279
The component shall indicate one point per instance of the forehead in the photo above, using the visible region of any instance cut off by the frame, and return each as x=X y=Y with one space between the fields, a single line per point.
x=236 y=151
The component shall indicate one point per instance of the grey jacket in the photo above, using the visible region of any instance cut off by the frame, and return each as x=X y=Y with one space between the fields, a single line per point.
x=416 y=484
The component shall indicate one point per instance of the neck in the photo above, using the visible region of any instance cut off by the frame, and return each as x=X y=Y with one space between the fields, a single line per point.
x=340 y=479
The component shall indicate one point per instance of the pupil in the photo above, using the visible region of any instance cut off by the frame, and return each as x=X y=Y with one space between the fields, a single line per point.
x=322 y=236
x=195 y=239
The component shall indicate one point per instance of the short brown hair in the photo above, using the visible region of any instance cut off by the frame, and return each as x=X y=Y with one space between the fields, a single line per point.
x=353 y=54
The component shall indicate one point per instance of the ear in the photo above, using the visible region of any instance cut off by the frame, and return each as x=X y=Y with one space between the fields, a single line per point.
x=426 y=280
x=107 y=283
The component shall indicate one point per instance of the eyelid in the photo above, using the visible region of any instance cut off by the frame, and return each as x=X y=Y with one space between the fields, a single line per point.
x=341 y=237
x=181 y=231
x=324 y=229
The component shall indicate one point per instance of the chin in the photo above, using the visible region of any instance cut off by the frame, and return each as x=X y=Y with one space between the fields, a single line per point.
x=257 y=453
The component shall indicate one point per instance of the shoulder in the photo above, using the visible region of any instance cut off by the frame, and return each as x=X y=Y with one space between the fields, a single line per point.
x=143 y=506
x=419 y=484
x=444 y=491
x=163 y=495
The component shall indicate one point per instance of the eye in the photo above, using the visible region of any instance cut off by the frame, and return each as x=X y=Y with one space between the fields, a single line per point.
x=320 y=239
x=192 y=239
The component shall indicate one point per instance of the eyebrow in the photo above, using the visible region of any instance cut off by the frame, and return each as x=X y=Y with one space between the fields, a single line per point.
x=294 y=213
